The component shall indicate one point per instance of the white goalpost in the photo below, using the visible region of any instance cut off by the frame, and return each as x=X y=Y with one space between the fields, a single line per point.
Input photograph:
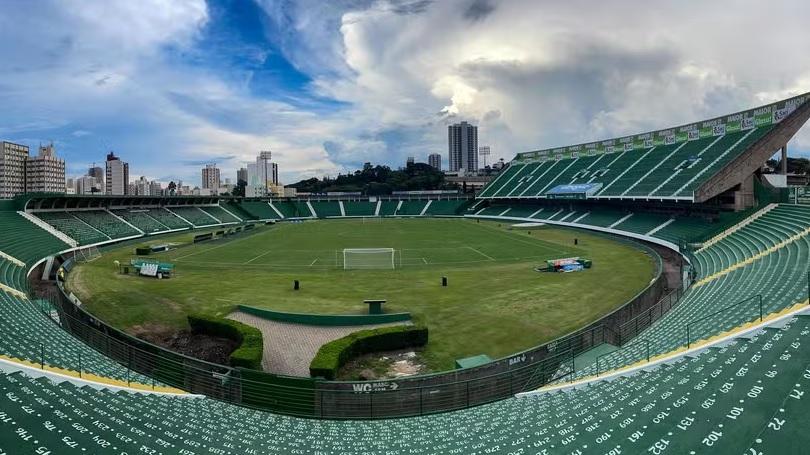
x=368 y=258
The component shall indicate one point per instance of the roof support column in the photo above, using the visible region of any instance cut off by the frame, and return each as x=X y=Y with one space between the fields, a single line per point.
x=784 y=160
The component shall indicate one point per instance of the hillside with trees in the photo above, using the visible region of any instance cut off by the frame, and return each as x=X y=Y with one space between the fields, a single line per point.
x=379 y=180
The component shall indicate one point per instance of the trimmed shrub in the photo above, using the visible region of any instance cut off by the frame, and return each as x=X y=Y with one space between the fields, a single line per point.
x=335 y=354
x=249 y=352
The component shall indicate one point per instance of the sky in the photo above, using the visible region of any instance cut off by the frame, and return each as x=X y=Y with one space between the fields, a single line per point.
x=170 y=85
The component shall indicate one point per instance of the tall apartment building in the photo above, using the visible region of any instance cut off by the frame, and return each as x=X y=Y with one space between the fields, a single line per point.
x=210 y=177
x=117 y=176
x=242 y=174
x=435 y=161
x=12 y=169
x=45 y=173
x=97 y=173
x=261 y=175
x=462 y=147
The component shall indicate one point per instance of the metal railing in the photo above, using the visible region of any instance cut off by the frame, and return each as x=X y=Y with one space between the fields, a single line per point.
x=690 y=331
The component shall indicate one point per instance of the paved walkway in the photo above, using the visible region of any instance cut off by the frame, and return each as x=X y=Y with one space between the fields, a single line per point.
x=289 y=348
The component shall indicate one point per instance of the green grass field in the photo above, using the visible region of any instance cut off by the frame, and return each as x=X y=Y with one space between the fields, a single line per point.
x=495 y=303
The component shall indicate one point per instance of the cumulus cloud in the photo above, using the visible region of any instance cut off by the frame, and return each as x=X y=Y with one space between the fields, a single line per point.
x=562 y=72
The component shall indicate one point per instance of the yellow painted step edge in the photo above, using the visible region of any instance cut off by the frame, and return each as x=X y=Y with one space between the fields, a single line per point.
x=95 y=378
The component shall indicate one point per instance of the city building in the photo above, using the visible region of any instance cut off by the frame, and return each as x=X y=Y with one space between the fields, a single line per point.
x=210 y=177
x=86 y=185
x=97 y=173
x=242 y=175
x=261 y=175
x=45 y=173
x=462 y=147
x=70 y=186
x=145 y=187
x=409 y=162
x=12 y=169
x=435 y=161
x=116 y=176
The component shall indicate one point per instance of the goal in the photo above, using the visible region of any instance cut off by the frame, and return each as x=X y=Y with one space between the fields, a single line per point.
x=368 y=258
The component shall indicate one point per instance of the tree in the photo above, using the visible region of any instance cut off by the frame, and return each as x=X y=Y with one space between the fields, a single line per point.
x=379 y=180
x=239 y=189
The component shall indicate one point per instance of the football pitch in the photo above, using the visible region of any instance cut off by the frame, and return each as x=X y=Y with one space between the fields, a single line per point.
x=495 y=304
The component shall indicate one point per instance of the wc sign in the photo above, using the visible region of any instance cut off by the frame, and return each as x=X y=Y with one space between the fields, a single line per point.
x=368 y=387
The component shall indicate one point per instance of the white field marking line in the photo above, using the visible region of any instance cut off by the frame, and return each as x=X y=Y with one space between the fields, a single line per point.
x=231 y=242
x=424 y=260
x=313 y=262
x=482 y=254
x=257 y=257
x=229 y=300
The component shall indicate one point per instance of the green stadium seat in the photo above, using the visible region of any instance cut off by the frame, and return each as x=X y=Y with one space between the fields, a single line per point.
x=359 y=208
x=326 y=209
x=194 y=215
x=220 y=214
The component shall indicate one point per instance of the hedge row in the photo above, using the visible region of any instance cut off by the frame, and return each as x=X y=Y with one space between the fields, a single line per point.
x=249 y=352
x=335 y=354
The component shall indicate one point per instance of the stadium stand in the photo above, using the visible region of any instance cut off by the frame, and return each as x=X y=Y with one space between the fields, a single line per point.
x=25 y=241
x=359 y=208
x=666 y=164
x=683 y=407
x=194 y=215
x=141 y=220
x=259 y=210
x=73 y=227
x=169 y=219
x=27 y=334
x=388 y=208
x=410 y=208
x=220 y=214
x=446 y=207
x=106 y=223
x=737 y=274
x=326 y=209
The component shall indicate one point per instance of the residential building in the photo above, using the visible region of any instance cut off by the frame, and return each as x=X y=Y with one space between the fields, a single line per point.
x=462 y=147
x=70 y=186
x=116 y=176
x=210 y=177
x=12 y=169
x=45 y=173
x=435 y=161
x=97 y=173
x=87 y=185
x=261 y=175
x=242 y=174
x=145 y=187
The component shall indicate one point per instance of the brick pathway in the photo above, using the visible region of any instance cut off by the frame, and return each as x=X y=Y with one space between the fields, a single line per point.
x=289 y=348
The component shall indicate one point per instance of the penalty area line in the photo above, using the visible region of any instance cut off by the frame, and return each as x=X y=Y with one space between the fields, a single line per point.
x=313 y=262
x=482 y=254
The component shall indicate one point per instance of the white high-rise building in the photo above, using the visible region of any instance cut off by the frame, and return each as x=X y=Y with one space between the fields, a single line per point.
x=210 y=177
x=45 y=173
x=435 y=161
x=117 y=176
x=261 y=175
x=462 y=147
x=12 y=169
x=86 y=185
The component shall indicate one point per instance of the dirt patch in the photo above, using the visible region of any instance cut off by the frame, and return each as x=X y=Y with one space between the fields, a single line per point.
x=199 y=346
x=384 y=365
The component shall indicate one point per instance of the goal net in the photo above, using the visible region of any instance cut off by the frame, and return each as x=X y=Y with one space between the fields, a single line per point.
x=368 y=258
